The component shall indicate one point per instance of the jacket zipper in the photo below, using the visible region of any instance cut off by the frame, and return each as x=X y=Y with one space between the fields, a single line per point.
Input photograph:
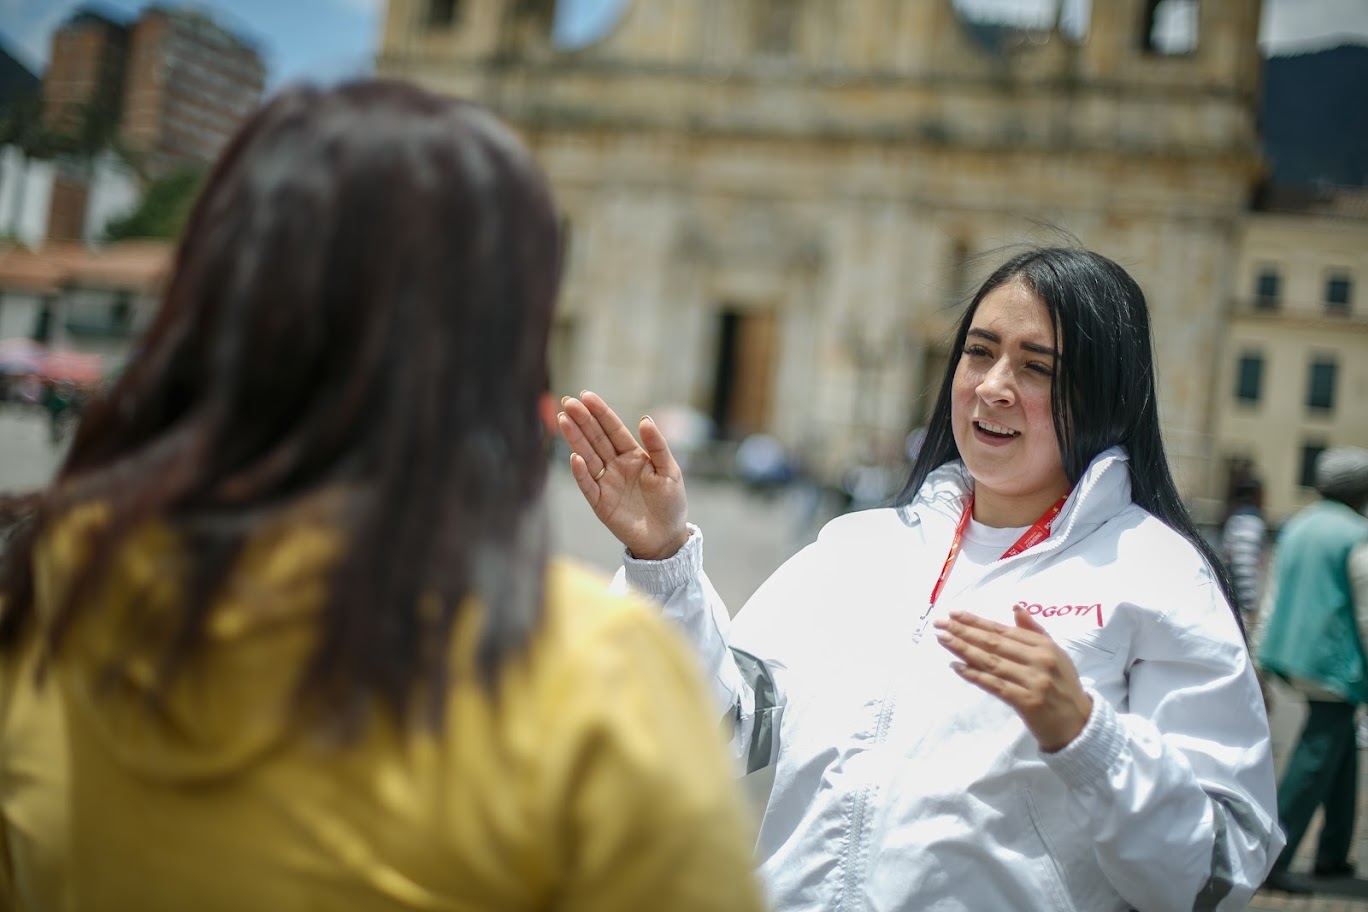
x=854 y=857
x=854 y=861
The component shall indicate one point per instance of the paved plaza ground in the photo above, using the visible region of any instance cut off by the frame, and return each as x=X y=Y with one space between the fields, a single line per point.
x=745 y=538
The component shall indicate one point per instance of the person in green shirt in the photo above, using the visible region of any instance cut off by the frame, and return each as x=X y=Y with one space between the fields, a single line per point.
x=1315 y=641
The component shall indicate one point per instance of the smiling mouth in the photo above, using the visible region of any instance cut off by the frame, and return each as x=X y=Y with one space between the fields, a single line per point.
x=996 y=431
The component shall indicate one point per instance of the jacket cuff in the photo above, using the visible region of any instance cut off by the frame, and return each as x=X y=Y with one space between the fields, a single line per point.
x=1085 y=761
x=659 y=578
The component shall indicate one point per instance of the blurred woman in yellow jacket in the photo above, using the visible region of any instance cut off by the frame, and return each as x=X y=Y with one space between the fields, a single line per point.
x=285 y=633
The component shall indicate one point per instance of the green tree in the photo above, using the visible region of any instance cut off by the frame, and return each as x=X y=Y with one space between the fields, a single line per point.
x=21 y=124
x=164 y=208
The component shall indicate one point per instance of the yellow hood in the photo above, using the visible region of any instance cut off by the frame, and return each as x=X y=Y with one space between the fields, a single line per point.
x=230 y=704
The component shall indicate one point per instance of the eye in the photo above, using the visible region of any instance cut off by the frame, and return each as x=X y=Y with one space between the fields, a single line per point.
x=1041 y=368
x=977 y=351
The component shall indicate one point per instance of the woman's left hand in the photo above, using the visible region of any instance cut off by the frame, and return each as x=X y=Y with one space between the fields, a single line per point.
x=1024 y=668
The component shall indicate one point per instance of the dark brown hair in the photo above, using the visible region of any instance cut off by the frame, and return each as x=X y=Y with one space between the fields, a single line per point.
x=361 y=301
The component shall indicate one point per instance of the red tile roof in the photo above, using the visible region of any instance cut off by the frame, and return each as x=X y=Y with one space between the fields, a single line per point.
x=139 y=266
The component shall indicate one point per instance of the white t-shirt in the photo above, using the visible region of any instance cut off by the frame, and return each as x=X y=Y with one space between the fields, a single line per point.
x=981 y=547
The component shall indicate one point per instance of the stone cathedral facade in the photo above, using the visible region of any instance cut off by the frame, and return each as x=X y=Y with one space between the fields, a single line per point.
x=775 y=209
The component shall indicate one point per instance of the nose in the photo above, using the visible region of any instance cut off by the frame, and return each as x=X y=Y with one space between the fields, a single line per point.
x=996 y=387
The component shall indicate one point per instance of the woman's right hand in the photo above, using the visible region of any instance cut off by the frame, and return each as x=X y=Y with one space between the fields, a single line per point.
x=635 y=489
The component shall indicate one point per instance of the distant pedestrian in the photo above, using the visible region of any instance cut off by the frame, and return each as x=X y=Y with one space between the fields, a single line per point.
x=1315 y=640
x=1244 y=536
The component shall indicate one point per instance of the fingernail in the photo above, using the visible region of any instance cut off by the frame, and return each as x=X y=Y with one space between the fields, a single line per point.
x=560 y=415
x=959 y=667
x=583 y=393
x=564 y=399
x=648 y=418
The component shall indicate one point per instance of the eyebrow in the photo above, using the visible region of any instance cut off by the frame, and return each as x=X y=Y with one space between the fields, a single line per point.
x=1029 y=346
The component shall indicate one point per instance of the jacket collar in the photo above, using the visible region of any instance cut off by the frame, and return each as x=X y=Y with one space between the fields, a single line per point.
x=1102 y=492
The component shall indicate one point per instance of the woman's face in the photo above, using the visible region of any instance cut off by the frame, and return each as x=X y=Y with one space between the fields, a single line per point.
x=1000 y=408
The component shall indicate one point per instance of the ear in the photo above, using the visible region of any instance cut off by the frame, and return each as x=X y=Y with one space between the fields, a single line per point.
x=547 y=409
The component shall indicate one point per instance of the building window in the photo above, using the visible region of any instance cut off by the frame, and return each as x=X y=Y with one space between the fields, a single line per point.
x=1339 y=292
x=1320 y=385
x=42 y=327
x=1074 y=19
x=1309 y=454
x=121 y=313
x=1267 y=289
x=1071 y=17
x=957 y=290
x=87 y=317
x=1169 y=28
x=774 y=26
x=1249 y=379
x=443 y=13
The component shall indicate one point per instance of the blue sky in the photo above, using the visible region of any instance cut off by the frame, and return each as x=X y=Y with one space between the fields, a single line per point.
x=331 y=39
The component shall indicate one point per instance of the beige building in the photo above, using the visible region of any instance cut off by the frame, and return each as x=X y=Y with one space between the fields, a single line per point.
x=775 y=207
x=1295 y=378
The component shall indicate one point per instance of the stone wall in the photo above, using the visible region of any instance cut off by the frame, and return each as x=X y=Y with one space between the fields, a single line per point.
x=843 y=178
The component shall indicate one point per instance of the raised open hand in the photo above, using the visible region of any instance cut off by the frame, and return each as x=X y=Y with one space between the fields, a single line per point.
x=635 y=489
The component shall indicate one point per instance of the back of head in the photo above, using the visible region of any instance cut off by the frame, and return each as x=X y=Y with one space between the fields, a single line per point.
x=1342 y=475
x=361 y=300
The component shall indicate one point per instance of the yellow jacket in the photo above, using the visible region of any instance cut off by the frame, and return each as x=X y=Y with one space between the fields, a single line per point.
x=597 y=781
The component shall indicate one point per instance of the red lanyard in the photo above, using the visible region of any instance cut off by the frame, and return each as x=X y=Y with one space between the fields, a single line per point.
x=1032 y=537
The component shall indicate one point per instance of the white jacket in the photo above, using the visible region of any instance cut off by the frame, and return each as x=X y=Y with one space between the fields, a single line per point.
x=899 y=786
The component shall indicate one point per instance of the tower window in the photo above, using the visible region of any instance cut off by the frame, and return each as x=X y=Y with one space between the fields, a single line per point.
x=443 y=13
x=1169 y=28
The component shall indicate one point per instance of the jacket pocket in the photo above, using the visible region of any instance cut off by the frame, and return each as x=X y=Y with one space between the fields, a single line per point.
x=1051 y=874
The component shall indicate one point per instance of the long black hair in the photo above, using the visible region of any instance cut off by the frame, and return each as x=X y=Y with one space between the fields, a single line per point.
x=1102 y=392
x=361 y=302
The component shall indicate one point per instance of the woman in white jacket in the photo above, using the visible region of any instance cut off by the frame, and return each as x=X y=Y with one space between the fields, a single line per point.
x=1023 y=687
